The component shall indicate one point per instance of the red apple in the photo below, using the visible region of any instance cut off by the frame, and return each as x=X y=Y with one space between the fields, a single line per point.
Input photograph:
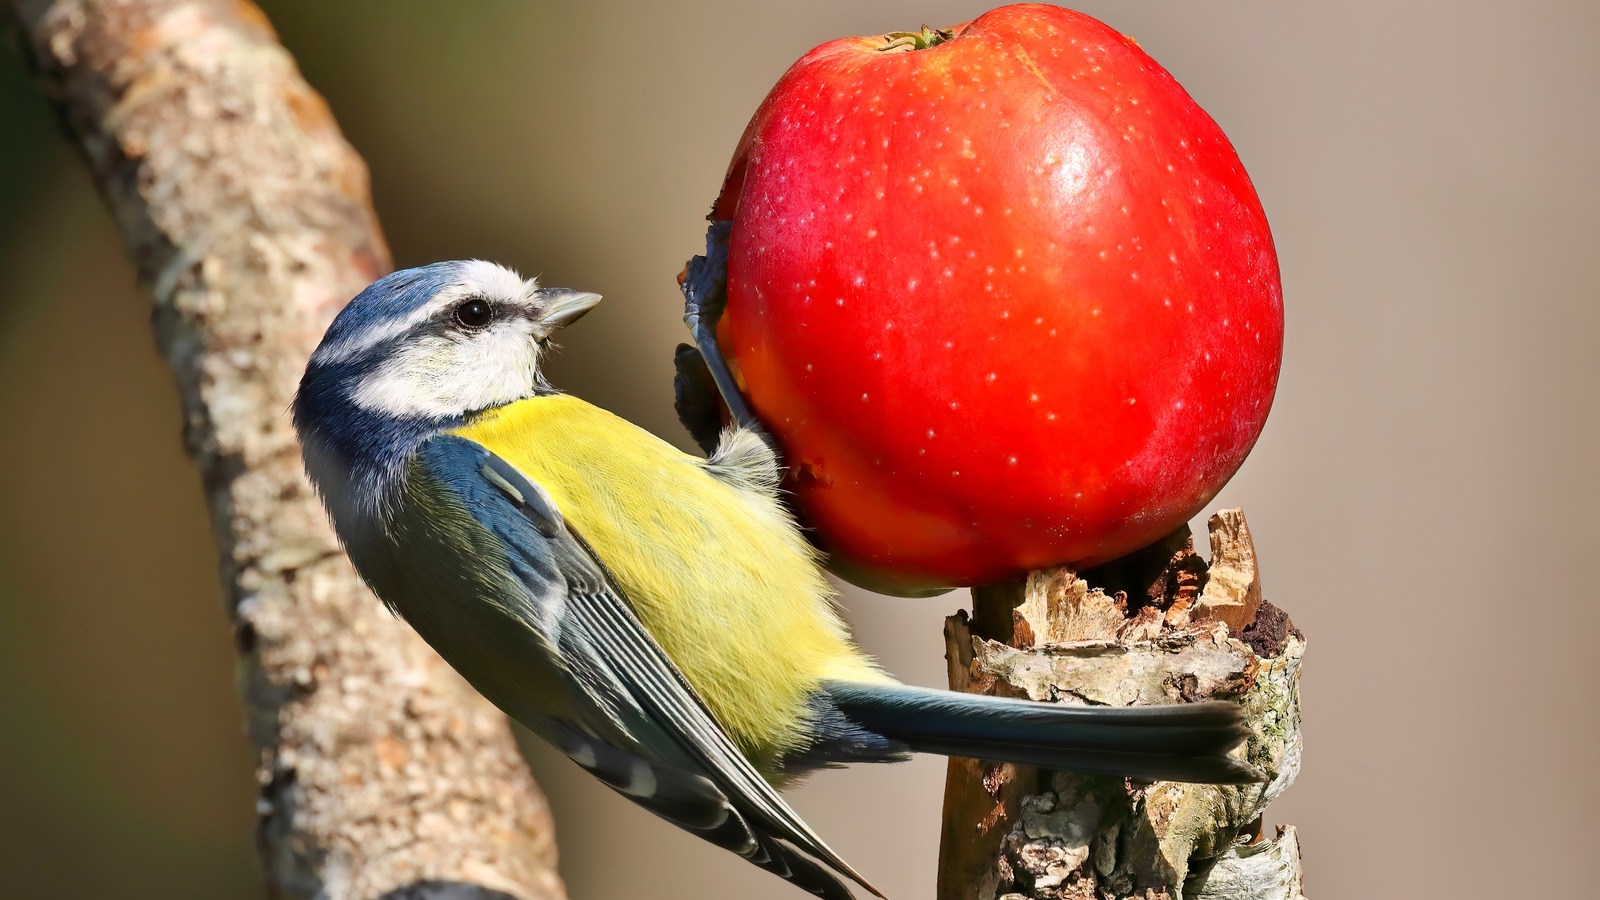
x=1004 y=294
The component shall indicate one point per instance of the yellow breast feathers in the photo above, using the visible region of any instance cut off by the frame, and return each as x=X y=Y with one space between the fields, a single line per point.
x=715 y=570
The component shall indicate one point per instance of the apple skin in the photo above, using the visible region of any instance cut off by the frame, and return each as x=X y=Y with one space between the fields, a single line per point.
x=1006 y=302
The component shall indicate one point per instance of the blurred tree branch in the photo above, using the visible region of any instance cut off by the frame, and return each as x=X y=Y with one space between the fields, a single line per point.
x=249 y=218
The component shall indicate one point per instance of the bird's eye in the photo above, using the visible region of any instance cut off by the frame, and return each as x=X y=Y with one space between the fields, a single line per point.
x=474 y=313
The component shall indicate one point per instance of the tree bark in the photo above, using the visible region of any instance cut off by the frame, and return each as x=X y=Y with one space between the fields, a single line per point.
x=249 y=217
x=1157 y=626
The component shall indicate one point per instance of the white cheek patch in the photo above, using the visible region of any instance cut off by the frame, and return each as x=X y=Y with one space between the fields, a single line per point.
x=441 y=377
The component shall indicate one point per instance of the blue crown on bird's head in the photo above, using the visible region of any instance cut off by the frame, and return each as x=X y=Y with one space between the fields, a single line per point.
x=391 y=298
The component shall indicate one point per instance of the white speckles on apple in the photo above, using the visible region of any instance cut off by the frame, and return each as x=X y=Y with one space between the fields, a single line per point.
x=1033 y=398
x=911 y=284
x=930 y=433
x=808 y=365
x=872 y=233
x=991 y=377
x=1011 y=460
x=1167 y=302
x=1133 y=401
x=1050 y=417
x=955 y=404
x=1095 y=312
x=863 y=396
x=838 y=301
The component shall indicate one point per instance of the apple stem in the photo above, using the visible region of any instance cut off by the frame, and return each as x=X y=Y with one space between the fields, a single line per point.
x=1148 y=627
x=917 y=40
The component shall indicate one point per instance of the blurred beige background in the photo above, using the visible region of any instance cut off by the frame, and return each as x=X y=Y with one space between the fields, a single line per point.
x=1424 y=497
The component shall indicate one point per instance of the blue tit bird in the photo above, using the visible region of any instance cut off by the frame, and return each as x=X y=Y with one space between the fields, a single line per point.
x=656 y=616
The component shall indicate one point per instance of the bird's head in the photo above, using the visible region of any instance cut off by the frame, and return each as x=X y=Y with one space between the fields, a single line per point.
x=419 y=351
x=442 y=341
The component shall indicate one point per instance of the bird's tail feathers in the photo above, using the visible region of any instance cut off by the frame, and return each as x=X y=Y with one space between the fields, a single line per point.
x=1184 y=742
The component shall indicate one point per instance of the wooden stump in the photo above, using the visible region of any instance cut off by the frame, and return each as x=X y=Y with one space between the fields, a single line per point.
x=1157 y=626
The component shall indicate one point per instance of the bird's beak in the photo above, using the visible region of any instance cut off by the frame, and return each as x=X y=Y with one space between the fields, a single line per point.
x=563 y=307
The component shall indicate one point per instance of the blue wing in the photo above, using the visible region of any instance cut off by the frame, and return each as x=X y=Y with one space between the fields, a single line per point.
x=639 y=727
